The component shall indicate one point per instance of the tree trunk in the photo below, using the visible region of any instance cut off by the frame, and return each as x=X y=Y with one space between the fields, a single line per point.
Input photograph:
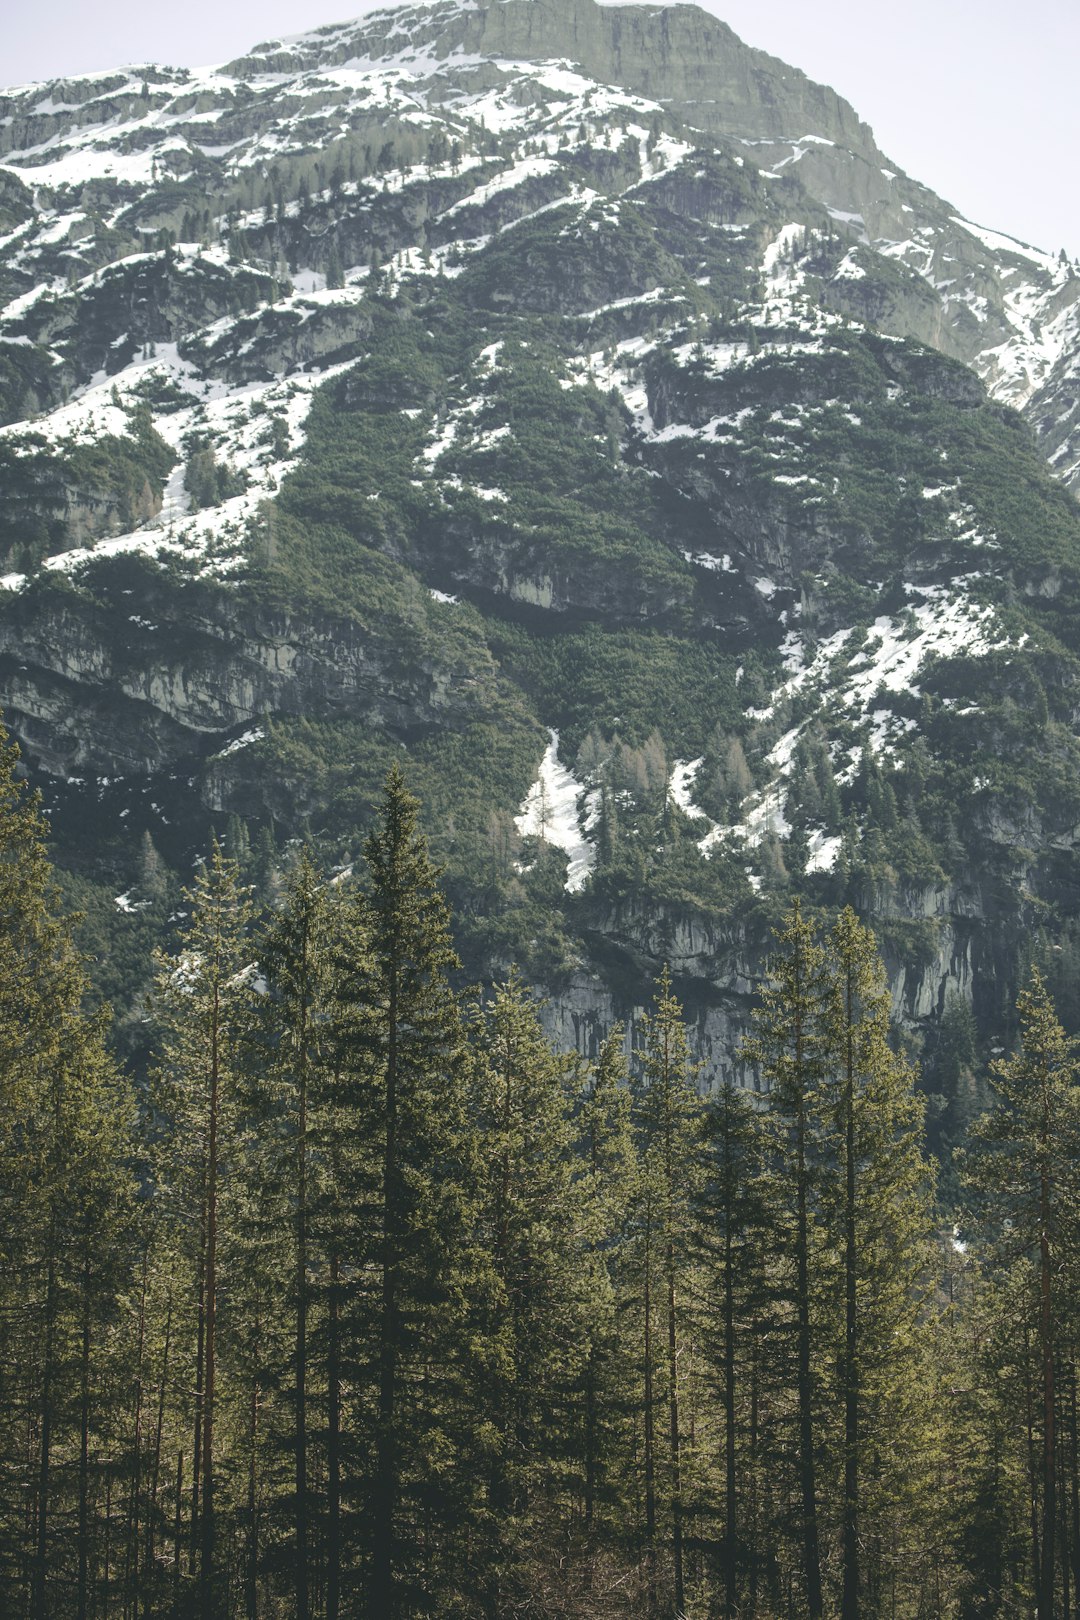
x=333 y=1448
x=155 y=1470
x=200 y=1364
x=1074 y=1481
x=807 y=1471
x=83 y=1533
x=207 y=1595
x=131 y=1573
x=38 y=1605
x=849 y=1608
x=650 y=1433
x=1046 y=1347
x=176 y=1533
x=251 y=1583
x=676 y=1437
x=382 y=1597
x=729 y=1424
x=302 y=1509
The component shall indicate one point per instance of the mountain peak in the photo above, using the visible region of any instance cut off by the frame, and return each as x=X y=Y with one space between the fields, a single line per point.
x=678 y=54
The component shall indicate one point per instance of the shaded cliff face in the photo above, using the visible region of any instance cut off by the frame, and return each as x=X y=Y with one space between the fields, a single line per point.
x=576 y=401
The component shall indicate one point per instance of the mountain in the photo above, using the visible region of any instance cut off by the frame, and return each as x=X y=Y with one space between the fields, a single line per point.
x=577 y=401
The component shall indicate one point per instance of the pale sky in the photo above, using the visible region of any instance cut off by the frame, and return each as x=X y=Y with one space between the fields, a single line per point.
x=976 y=98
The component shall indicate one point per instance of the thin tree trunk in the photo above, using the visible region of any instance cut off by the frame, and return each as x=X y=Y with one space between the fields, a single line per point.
x=206 y=1566
x=333 y=1447
x=131 y=1572
x=382 y=1602
x=177 y=1533
x=849 y=1608
x=755 y=1539
x=1074 y=1482
x=807 y=1471
x=590 y=1437
x=730 y=1504
x=676 y=1437
x=38 y=1606
x=155 y=1472
x=108 y=1541
x=650 y=1435
x=252 y=1561
x=1046 y=1348
x=1063 y=1538
x=302 y=1508
x=1033 y=1488
x=200 y=1362
x=83 y=1533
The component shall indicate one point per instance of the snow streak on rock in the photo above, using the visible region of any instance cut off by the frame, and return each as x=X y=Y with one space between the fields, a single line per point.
x=550 y=813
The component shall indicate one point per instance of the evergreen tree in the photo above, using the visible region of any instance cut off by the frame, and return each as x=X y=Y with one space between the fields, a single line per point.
x=789 y=1048
x=403 y=1051
x=1026 y=1161
x=607 y=1179
x=883 y=1222
x=293 y=1058
x=203 y=996
x=65 y=1198
x=668 y=1117
x=533 y=1327
x=736 y=1228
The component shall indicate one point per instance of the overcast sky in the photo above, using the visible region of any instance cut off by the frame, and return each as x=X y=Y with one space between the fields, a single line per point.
x=976 y=98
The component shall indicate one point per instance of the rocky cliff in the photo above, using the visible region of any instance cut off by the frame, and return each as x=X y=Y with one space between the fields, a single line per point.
x=578 y=401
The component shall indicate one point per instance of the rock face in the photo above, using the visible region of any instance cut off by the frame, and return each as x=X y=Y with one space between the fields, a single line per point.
x=465 y=374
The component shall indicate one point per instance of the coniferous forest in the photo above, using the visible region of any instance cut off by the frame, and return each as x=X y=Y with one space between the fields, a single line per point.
x=365 y=1302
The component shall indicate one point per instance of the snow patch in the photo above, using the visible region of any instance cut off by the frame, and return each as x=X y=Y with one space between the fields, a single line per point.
x=550 y=812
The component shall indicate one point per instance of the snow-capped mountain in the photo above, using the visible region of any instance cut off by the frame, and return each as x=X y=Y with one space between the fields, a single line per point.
x=581 y=400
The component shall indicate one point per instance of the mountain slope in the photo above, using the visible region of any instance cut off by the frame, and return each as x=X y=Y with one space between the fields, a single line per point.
x=574 y=398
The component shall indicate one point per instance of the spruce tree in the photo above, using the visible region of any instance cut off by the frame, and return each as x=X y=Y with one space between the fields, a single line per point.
x=292 y=1054
x=533 y=1323
x=875 y=1119
x=737 y=1232
x=1027 y=1151
x=65 y=1200
x=402 y=1051
x=789 y=1048
x=606 y=1174
x=669 y=1124
x=203 y=997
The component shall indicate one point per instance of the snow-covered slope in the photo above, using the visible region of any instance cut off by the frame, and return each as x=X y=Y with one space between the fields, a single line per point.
x=459 y=111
